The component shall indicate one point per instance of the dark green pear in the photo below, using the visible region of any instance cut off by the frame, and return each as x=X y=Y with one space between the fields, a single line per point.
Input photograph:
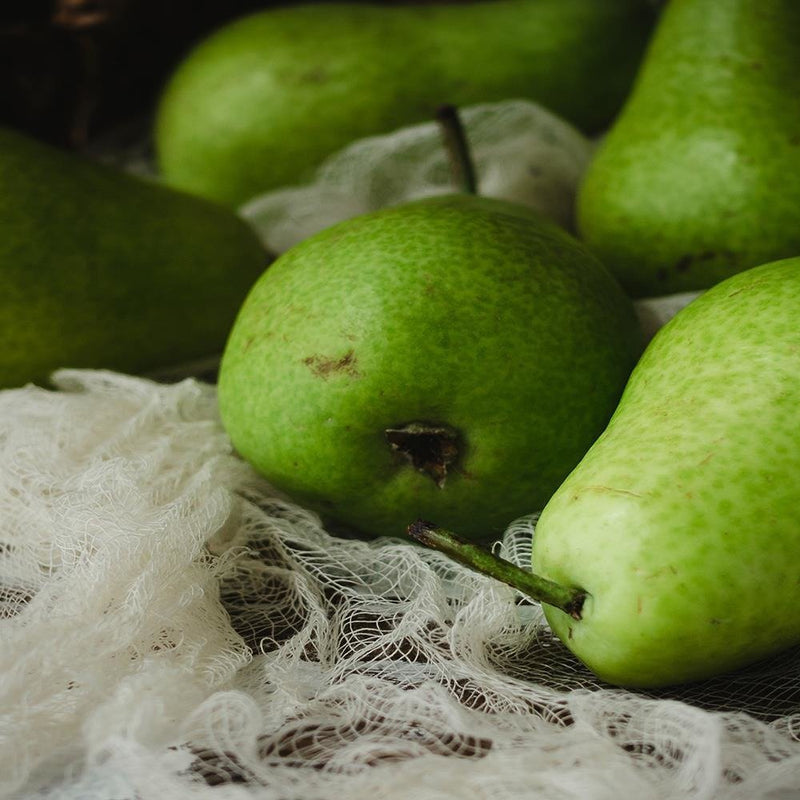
x=261 y=102
x=695 y=180
x=106 y=270
x=452 y=357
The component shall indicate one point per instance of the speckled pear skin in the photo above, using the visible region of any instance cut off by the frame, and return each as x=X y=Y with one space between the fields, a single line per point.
x=682 y=519
x=690 y=185
x=459 y=311
x=100 y=269
x=261 y=102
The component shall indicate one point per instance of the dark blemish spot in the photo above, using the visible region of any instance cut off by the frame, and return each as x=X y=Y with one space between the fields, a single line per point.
x=683 y=264
x=429 y=448
x=316 y=75
x=324 y=367
x=248 y=343
x=601 y=489
x=534 y=170
x=747 y=288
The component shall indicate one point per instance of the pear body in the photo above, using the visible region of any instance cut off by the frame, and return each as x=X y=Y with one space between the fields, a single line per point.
x=101 y=269
x=689 y=186
x=261 y=102
x=681 y=520
x=452 y=358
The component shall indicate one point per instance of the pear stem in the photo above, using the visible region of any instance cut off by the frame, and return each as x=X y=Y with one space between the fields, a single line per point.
x=457 y=147
x=478 y=558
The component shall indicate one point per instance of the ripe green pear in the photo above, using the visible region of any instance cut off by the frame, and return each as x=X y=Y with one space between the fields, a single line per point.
x=105 y=270
x=691 y=183
x=453 y=356
x=681 y=521
x=261 y=102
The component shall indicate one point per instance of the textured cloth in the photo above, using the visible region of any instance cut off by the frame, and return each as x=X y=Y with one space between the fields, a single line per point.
x=171 y=628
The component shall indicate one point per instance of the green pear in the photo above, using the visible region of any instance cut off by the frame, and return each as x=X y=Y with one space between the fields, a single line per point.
x=106 y=270
x=453 y=356
x=674 y=545
x=691 y=184
x=261 y=102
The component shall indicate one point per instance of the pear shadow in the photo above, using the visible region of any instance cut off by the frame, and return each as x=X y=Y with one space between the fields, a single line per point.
x=767 y=690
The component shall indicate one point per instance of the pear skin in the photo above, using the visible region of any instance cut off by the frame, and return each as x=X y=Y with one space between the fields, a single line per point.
x=681 y=521
x=261 y=102
x=101 y=269
x=451 y=358
x=690 y=185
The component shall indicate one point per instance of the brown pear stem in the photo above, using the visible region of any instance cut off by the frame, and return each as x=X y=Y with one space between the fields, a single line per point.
x=568 y=599
x=455 y=142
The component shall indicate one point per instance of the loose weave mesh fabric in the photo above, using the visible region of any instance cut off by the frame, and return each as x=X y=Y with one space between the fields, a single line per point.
x=172 y=628
x=521 y=152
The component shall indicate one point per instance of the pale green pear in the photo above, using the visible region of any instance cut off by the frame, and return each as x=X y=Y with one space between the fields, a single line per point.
x=681 y=522
x=671 y=553
x=452 y=357
x=695 y=180
x=106 y=270
x=261 y=102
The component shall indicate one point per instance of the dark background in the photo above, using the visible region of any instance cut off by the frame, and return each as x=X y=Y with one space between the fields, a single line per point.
x=75 y=70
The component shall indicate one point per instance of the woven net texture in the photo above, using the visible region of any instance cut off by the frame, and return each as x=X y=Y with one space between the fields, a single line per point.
x=172 y=627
